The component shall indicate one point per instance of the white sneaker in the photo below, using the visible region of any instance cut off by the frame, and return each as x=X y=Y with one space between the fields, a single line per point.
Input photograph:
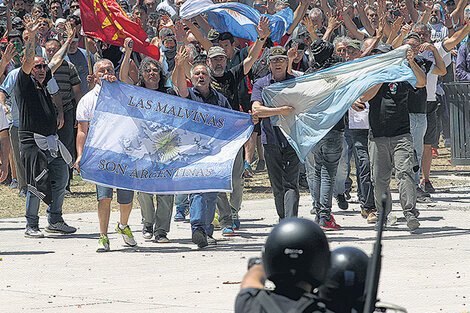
x=391 y=220
x=103 y=244
x=33 y=232
x=126 y=235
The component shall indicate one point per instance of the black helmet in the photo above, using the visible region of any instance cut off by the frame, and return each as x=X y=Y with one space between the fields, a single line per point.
x=296 y=250
x=344 y=287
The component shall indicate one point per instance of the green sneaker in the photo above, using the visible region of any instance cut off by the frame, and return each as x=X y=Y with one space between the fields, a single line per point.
x=103 y=244
x=126 y=235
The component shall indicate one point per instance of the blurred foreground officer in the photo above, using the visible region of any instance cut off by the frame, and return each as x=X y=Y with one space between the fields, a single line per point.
x=343 y=290
x=296 y=258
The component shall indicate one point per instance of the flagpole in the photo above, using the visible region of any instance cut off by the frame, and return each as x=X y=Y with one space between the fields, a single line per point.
x=88 y=59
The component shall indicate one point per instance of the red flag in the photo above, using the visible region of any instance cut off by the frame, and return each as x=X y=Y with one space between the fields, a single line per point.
x=106 y=21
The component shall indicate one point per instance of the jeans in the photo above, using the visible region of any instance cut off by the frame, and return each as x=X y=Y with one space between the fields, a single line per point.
x=158 y=216
x=15 y=147
x=283 y=171
x=322 y=164
x=418 y=124
x=202 y=210
x=360 y=138
x=223 y=204
x=123 y=196
x=58 y=176
x=342 y=181
x=387 y=153
x=182 y=203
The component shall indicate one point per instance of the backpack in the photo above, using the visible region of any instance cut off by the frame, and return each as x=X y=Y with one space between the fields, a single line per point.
x=307 y=304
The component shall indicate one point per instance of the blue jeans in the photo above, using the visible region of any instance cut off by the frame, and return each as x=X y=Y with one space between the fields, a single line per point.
x=182 y=203
x=342 y=181
x=418 y=125
x=360 y=139
x=58 y=176
x=123 y=196
x=322 y=163
x=202 y=210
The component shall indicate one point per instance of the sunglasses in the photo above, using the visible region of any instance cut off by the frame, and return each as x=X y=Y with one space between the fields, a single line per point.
x=74 y=6
x=40 y=66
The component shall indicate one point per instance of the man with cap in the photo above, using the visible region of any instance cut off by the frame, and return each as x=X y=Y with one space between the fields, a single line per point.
x=227 y=83
x=281 y=159
x=168 y=49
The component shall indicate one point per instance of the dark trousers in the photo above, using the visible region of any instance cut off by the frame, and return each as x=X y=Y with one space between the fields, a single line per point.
x=66 y=135
x=283 y=170
x=360 y=139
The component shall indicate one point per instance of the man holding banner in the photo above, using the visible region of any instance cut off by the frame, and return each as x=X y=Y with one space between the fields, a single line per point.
x=85 y=109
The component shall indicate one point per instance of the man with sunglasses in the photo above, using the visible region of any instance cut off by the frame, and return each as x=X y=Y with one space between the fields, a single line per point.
x=281 y=160
x=45 y=158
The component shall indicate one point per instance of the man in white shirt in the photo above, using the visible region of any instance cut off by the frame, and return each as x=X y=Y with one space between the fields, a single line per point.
x=103 y=69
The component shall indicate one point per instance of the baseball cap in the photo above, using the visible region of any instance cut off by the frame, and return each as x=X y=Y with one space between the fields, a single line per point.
x=276 y=52
x=355 y=44
x=382 y=48
x=215 y=51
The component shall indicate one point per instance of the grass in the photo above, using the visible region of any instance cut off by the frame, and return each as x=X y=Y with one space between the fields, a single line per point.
x=83 y=198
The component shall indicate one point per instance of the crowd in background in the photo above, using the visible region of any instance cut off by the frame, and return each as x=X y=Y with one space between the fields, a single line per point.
x=393 y=129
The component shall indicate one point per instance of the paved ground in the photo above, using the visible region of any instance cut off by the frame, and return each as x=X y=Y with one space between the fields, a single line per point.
x=425 y=272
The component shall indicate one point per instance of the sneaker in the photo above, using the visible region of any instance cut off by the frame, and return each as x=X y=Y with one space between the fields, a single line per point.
x=60 y=227
x=328 y=224
x=103 y=244
x=435 y=154
x=248 y=168
x=342 y=203
x=161 y=239
x=126 y=235
x=364 y=213
x=228 y=231
x=372 y=218
x=22 y=193
x=147 y=232
x=261 y=166
x=33 y=232
x=412 y=222
x=427 y=186
x=13 y=184
x=211 y=241
x=422 y=196
x=236 y=220
x=179 y=217
x=391 y=220
x=199 y=238
x=215 y=222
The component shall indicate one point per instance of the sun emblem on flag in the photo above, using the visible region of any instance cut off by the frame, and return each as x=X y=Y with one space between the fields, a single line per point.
x=167 y=145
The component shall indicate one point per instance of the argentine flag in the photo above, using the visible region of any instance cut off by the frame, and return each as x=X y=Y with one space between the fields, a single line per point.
x=322 y=98
x=239 y=19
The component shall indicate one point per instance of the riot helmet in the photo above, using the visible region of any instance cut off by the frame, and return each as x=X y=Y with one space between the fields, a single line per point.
x=344 y=287
x=296 y=250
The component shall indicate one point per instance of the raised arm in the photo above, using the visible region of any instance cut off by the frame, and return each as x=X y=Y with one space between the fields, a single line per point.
x=411 y=10
x=59 y=56
x=29 y=50
x=333 y=23
x=458 y=36
x=363 y=17
x=439 y=65
x=179 y=76
x=420 y=76
x=124 y=71
x=8 y=55
x=298 y=15
x=263 y=32
x=206 y=43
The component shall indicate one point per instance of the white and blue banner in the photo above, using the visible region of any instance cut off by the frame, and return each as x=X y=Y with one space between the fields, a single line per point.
x=237 y=18
x=153 y=142
x=321 y=99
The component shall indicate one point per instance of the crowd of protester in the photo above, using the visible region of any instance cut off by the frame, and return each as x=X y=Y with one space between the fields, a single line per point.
x=47 y=89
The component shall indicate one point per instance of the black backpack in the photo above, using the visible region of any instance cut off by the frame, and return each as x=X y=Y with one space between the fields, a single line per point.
x=307 y=304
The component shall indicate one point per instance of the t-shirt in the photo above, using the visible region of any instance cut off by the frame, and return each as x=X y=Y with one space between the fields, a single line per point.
x=439 y=32
x=3 y=120
x=228 y=84
x=37 y=112
x=431 y=79
x=269 y=134
x=359 y=120
x=8 y=86
x=214 y=98
x=244 y=93
x=67 y=77
x=286 y=300
x=417 y=98
x=86 y=105
x=388 y=113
